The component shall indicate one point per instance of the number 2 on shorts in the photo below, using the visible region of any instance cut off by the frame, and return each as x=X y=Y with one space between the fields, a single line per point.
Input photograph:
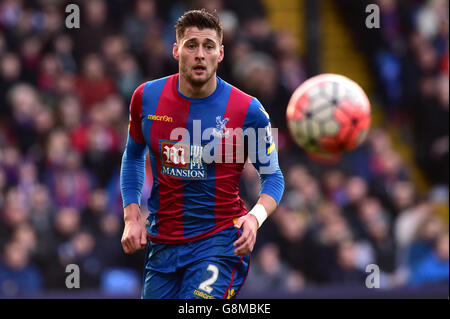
x=206 y=285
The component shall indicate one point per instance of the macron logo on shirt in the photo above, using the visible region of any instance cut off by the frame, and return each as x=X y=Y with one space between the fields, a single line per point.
x=163 y=118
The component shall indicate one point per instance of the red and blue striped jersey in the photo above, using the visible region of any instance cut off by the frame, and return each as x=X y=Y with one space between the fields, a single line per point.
x=192 y=197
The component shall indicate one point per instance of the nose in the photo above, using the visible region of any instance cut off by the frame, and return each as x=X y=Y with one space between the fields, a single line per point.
x=200 y=52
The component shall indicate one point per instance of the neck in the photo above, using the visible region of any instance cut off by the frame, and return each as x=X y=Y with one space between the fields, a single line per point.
x=197 y=92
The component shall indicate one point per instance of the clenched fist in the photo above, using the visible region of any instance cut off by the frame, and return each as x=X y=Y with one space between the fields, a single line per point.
x=134 y=235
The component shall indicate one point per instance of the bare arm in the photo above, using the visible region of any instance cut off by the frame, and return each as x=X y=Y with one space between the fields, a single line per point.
x=268 y=202
x=249 y=225
x=134 y=234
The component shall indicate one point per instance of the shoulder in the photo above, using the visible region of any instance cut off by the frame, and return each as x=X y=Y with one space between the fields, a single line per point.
x=138 y=91
x=153 y=85
x=238 y=95
x=256 y=114
x=255 y=108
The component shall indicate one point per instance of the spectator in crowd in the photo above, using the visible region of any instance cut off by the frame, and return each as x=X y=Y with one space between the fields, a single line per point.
x=18 y=277
x=93 y=86
x=346 y=272
x=10 y=73
x=270 y=273
x=434 y=267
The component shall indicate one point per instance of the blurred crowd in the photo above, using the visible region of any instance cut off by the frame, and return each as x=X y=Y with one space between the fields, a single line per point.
x=414 y=72
x=409 y=54
x=64 y=98
x=335 y=221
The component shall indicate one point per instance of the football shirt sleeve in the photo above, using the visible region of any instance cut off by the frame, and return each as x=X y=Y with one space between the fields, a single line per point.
x=262 y=152
x=132 y=171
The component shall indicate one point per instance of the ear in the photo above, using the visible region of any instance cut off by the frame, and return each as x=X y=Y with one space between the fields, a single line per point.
x=222 y=53
x=175 y=52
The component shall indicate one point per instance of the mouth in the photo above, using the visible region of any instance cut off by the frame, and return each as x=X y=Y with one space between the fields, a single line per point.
x=199 y=69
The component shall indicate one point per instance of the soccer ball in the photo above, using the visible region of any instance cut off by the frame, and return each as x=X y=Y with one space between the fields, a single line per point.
x=328 y=114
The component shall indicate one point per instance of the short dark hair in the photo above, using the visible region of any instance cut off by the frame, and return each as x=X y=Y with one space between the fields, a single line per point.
x=201 y=19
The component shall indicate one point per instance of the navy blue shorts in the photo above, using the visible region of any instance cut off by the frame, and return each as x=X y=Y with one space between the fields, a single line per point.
x=206 y=268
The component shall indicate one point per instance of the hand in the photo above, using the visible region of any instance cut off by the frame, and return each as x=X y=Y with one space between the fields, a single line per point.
x=134 y=236
x=249 y=225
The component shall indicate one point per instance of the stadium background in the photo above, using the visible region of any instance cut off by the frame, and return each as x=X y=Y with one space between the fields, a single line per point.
x=63 y=121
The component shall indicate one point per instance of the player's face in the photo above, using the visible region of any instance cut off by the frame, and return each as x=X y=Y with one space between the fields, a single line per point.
x=198 y=53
